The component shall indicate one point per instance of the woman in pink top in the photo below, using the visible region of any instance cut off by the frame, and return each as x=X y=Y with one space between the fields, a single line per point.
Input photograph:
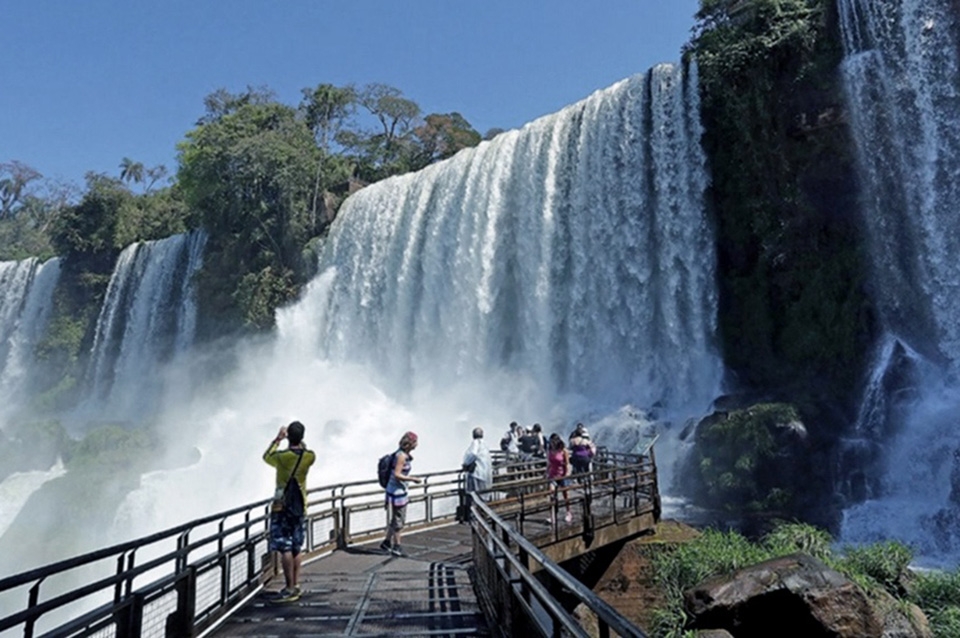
x=558 y=469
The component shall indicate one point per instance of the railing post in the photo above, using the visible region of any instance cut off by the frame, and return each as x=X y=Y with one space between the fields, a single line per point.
x=131 y=559
x=31 y=603
x=130 y=618
x=180 y=622
x=118 y=588
x=183 y=541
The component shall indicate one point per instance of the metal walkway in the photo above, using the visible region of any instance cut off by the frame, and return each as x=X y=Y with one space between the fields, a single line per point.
x=498 y=575
x=362 y=592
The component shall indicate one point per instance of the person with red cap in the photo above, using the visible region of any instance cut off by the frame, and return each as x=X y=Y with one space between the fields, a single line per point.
x=397 y=496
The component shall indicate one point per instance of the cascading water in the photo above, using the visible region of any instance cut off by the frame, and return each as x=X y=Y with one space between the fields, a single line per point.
x=554 y=273
x=902 y=74
x=148 y=317
x=573 y=255
x=26 y=296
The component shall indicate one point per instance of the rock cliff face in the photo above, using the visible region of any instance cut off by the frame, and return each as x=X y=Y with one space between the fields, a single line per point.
x=796 y=322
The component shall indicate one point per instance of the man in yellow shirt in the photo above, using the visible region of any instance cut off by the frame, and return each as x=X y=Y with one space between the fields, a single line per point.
x=288 y=518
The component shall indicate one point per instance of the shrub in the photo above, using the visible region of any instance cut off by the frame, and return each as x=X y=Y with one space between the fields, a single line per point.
x=788 y=538
x=885 y=563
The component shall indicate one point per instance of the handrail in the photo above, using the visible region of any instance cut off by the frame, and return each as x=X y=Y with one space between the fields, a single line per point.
x=111 y=594
x=492 y=546
x=210 y=571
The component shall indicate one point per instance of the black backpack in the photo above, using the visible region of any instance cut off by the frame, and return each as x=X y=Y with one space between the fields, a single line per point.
x=292 y=500
x=385 y=468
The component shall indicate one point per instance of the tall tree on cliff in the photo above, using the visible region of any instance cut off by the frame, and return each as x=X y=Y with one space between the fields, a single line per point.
x=327 y=109
x=249 y=169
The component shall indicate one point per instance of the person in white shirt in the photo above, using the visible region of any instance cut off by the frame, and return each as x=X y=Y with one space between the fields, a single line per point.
x=477 y=463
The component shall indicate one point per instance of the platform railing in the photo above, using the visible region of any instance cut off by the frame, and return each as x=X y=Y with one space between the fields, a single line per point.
x=520 y=603
x=183 y=580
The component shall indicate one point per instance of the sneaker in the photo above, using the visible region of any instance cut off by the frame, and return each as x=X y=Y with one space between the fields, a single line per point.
x=569 y=517
x=396 y=550
x=386 y=547
x=286 y=595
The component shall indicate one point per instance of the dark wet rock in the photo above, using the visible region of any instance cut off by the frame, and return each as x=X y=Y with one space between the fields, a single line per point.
x=800 y=596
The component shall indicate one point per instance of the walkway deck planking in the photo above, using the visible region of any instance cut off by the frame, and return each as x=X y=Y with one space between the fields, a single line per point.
x=362 y=592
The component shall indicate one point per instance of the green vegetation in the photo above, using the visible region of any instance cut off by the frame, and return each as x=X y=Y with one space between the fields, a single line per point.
x=745 y=460
x=875 y=567
x=794 y=315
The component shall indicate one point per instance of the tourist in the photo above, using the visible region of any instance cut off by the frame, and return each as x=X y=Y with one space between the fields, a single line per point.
x=582 y=450
x=396 y=493
x=477 y=464
x=530 y=444
x=511 y=440
x=558 y=471
x=288 y=513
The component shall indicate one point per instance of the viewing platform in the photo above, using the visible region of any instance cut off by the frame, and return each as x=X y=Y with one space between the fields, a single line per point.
x=506 y=564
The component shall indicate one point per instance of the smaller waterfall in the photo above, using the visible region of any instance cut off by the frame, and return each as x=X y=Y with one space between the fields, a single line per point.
x=902 y=78
x=26 y=296
x=148 y=317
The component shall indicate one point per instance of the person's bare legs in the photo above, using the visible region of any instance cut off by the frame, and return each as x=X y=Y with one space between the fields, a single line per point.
x=297 y=561
x=289 y=564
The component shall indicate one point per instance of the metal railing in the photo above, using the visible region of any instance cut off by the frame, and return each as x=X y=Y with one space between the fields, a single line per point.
x=519 y=586
x=181 y=581
x=184 y=580
x=520 y=603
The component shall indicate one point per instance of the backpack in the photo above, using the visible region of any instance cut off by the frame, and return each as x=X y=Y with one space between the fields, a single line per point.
x=385 y=468
x=293 y=499
x=289 y=499
x=505 y=443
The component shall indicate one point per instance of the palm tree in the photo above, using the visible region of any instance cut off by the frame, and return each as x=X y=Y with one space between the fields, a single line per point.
x=131 y=171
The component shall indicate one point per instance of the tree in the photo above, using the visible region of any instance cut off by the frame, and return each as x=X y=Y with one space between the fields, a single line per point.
x=154 y=175
x=326 y=109
x=442 y=135
x=221 y=102
x=386 y=151
x=131 y=171
x=492 y=133
x=14 y=178
x=88 y=229
x=249 y=170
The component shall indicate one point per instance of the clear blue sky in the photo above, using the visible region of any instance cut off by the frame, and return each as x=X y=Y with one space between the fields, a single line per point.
x=85 y=83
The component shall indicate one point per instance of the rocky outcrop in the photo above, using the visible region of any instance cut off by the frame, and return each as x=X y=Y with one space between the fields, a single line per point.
x=754 y=462
x=800 y=596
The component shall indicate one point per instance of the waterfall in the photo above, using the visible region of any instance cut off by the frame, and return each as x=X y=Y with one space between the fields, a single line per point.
x=572 y=255
x=26 y=297
x=556 y=273
x=903 y=84
x=148 y=317
x=902 y=78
